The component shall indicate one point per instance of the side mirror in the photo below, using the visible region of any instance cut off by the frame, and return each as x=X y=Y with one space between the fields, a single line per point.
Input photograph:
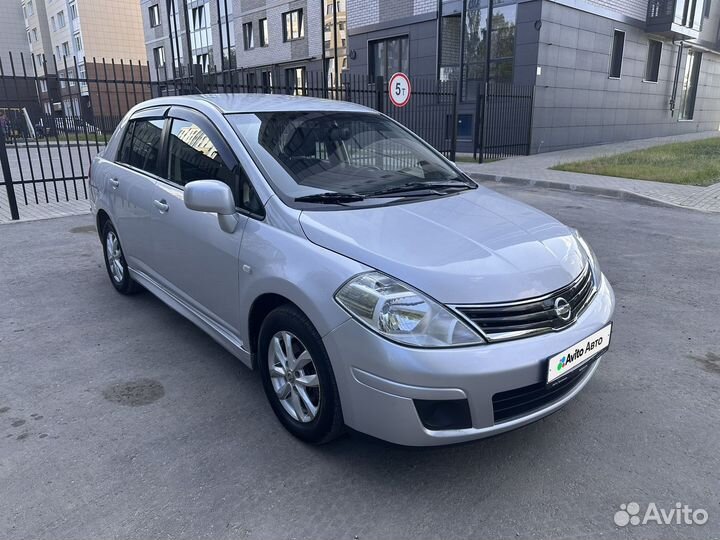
x=209 y=196
x=212 y=196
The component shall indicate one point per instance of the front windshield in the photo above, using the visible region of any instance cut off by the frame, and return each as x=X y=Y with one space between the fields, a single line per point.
x=307 y=153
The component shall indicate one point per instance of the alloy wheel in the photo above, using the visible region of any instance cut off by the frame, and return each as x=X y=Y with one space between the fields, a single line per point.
x=114 y=256
x=294 y=377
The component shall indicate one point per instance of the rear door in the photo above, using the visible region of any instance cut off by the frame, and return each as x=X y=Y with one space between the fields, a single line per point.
x=196 y=259
x=132 y=186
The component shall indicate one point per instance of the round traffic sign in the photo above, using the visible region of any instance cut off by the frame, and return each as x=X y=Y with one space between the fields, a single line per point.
x=399 y=89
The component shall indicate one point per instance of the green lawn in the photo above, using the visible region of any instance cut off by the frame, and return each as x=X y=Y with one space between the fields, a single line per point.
x=694 y=163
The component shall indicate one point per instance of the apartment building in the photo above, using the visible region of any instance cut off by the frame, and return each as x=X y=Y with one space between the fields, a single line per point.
x=68 y=40
x=271 y=42
x=602 y=70
x=14 y=95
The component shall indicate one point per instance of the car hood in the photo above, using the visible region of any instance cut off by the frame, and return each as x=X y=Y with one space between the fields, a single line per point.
x=471 y=248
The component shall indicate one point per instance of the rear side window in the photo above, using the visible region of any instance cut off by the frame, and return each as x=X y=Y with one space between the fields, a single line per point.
x=141 y=145
x=193 y=156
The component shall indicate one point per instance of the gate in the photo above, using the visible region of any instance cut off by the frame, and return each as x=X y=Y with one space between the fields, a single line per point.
x=508 y=122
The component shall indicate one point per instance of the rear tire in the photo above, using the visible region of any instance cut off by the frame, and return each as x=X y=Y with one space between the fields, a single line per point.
x=115 y=264
x=297 y=376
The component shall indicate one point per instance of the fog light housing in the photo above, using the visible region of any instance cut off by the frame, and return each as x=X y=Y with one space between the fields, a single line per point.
x=438 y=415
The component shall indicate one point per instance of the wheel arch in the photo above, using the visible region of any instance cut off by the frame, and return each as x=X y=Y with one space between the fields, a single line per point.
x=100 y=220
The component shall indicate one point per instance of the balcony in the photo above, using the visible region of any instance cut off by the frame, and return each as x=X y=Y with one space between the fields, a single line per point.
x=675 y=19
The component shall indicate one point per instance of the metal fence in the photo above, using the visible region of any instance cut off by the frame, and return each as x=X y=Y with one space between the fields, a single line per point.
x=56 y=118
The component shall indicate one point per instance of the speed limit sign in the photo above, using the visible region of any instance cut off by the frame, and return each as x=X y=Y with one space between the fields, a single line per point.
x=399 y=89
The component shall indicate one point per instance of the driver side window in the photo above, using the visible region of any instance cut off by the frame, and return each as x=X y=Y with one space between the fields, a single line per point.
x=193 y=156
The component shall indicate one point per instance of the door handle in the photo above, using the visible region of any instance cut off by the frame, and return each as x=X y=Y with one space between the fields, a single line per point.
x=161 y=205
x=114 y=182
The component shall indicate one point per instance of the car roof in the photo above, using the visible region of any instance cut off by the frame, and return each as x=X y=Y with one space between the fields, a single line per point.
x=250 y=103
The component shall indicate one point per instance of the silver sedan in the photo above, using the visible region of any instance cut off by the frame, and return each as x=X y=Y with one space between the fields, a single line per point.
x=369 y=281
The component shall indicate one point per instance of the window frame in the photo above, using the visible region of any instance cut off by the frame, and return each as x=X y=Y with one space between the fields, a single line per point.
x=301 y=24
x=611 y=66
x=156 y=56
x=154 y=15
x=248 y=37
x=648 y=67
x=697 y=58
x=264 y=32
x=371 y=54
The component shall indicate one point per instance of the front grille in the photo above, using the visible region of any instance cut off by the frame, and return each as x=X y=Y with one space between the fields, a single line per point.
x=521 y=401
x=501 y=322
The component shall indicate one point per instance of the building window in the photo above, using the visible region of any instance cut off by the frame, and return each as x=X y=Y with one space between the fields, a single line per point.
x=73 y=12
x=248 y=41
x=295 y=80
x=29 y=10
x=388 y=56
x=78 y=42
x=201 y=34
x=616 y=55
x=28 y=37
x=66 y=48
x=53 y=25
x=154 y=13
x=82 y=77
x=267 y=81
x=652 y=69
x=203 y=60
x=264 y=41
x=708 y=3
x=61 y=19
x=293 y=27
x=159 y=57
x=690 y=85
x=35 y=34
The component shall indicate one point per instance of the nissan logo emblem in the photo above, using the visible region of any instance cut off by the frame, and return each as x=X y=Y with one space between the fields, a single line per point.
x=562 y=309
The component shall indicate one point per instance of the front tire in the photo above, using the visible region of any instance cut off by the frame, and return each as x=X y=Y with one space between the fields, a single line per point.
x=297 y=376
x=115 y=264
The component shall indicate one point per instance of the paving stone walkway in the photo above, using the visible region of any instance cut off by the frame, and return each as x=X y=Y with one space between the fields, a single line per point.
x=536 y=170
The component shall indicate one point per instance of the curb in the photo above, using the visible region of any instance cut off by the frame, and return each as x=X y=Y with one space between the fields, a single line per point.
x=593 y=190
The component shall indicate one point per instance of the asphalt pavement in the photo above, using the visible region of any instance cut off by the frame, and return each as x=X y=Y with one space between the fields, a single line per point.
x=120 y=419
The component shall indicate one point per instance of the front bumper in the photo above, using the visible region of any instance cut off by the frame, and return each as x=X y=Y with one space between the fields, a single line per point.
x=378 y=380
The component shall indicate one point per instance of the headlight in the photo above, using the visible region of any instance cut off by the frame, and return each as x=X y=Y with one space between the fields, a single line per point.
x=590 y=254
x=400 y=313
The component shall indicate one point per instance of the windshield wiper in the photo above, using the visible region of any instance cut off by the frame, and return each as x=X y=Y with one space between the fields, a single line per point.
x=433 y=187
x=331 y=197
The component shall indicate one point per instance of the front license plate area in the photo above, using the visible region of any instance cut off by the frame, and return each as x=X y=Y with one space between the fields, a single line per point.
x=579 y=354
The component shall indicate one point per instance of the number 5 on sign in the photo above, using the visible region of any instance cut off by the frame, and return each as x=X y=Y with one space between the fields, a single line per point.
x=399 y=89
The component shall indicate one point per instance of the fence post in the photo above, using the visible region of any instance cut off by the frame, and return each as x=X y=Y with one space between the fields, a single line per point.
x=379 y=94
x=5 y=163
x=454 y=125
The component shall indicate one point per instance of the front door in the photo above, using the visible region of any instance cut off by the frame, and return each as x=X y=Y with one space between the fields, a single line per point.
x=197 y=260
